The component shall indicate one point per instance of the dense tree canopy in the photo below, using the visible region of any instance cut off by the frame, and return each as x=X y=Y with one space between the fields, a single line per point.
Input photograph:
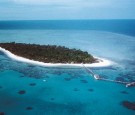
x=48 y=53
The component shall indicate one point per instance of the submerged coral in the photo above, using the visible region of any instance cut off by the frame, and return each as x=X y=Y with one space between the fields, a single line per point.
x=129 y=105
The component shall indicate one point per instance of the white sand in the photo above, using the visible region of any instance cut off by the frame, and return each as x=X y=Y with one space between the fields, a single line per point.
x=102 y=62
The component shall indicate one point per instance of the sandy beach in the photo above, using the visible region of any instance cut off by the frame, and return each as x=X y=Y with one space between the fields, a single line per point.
x=101 y=61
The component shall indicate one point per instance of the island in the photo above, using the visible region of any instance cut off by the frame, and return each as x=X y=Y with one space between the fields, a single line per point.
x=49 y=53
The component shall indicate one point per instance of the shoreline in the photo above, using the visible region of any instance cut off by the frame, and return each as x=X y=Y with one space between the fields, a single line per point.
x=102 y=62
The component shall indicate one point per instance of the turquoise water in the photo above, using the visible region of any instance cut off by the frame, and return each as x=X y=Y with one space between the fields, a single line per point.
x=33 y=90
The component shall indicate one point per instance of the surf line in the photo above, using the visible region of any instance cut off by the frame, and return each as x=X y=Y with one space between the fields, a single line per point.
x=97 y=77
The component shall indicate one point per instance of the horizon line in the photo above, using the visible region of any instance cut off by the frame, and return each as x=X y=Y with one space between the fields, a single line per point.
x=60 y=19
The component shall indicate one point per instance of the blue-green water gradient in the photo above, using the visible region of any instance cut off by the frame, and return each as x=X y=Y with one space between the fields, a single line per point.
x=68 y=91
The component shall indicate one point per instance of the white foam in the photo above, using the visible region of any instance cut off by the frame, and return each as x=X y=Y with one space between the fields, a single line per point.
x=101 y=61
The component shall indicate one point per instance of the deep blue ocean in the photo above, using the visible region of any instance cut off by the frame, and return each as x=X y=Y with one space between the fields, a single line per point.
x=117 y=26
x=27 y=89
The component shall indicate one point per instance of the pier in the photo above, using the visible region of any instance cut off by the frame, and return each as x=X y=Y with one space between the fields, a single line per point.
x=97 y=77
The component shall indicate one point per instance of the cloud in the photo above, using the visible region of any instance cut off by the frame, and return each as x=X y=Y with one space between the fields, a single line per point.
x=75 y=4
x=44 y=2
x=90 y=3
x=66 y=9
x=72 y=3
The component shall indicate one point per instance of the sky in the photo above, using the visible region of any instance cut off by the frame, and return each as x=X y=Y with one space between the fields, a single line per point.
x=66 y=9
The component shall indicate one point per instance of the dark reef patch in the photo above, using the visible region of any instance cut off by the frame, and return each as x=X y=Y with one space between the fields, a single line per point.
x=29 y=108
x=91 y=90
x=75 y=89
x=2 y=113
x=67 y=79
x=52 y=99
x=32 y=84
x=28 y=72
x=129 y=105
x=124 y=92
x=1 y=87
x=21 y=92
x=84 y=81
x=21 y=76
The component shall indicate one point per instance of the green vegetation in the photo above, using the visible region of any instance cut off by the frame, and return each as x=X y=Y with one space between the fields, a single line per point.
x=48 y=53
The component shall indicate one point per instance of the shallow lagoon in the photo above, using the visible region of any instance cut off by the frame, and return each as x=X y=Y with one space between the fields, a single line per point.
x=29 y=89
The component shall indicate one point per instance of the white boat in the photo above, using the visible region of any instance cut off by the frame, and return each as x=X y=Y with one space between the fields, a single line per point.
x=96 y=76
